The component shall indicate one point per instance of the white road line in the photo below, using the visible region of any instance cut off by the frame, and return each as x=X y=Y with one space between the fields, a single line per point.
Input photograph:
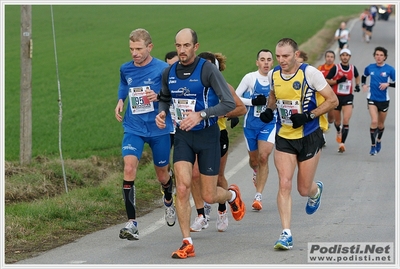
x=161 y=222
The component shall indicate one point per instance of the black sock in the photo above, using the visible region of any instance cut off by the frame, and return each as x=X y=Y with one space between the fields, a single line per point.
x=167 y=188
x=222 y=207
x=128 y=191
x=337 y=127
x=373 y=133
x=200 y=211
x=345 y=132
x=380 y=133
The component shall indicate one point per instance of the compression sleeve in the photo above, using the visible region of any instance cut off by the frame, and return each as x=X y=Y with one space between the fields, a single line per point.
x=363 y=79
x=164 y=96
x=212 y=77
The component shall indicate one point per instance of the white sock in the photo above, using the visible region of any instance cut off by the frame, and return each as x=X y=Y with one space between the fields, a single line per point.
x=316 y=195
x=233 y=196
x=287 y=231
x=188 y=239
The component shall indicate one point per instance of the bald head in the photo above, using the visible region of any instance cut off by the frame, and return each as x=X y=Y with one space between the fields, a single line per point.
x=187 y=33
x=186 y=45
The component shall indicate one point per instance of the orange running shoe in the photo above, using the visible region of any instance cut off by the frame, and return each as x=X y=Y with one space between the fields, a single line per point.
x=238 y=208
x=257 y=203
x=186 y=250
x=342 y=148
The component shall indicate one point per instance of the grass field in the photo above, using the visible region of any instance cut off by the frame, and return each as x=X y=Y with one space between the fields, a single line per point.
x=92 y=43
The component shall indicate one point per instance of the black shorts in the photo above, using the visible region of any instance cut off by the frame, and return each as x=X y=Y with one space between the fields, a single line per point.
x=172 y=139
x=342 y=44
x=382 y=106
x=204 y=144
x=369 y=28
x=224 y=142
x=344 y=100
x=304 y=148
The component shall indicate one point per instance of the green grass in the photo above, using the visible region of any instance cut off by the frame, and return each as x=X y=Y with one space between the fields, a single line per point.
x=92 y=43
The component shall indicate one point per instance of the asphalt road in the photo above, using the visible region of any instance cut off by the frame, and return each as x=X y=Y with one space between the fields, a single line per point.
x=358 y=203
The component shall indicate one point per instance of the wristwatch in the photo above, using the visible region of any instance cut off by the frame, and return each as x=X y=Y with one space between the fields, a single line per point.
x=203 y=114
x=312 y=116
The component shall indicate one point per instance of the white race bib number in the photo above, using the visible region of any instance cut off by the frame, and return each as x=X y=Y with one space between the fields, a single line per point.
x=139 y=102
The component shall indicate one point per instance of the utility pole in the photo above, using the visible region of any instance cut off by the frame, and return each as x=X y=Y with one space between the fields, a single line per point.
x=25 y=153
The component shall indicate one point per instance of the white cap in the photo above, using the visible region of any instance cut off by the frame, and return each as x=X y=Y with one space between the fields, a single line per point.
x=345 y=51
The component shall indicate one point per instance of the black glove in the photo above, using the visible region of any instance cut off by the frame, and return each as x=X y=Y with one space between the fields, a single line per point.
x=357 y=88
x=300 y=119
x=260 y=100
x=234 y=121
x=340 y=80
x=267 y=115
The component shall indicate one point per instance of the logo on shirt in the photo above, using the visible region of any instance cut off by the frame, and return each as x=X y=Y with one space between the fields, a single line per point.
x=183 y=92
x=129 y=81
x=296 y=85
x=384 y=74
x=148 y=81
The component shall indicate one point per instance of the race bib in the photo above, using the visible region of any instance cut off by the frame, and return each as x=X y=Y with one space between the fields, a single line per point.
x=258 y=110
x=182 y=105
x=344 y=87
x=287 y=108
x=139 y=102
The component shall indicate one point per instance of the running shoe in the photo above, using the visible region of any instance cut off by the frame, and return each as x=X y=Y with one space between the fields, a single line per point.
x=238 y=208
x=199 y=223
x=314 y=203
x=378 y=146
x=254 y=178
x=130 y=231
x=186 y=250
x=373 y=151
x=342 y=148
x=257 y=203
x=222 y=221
x=207 y=210
x=284 y=242
x=170 y=215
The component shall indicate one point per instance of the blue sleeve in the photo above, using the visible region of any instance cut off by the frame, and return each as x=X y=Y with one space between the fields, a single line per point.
x=123 y=86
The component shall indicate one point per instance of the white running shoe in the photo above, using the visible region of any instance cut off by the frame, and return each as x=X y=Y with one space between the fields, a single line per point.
x=222 y=221
x=199 y=223
x=207 y=210
x=130 y=231
x=170 y=215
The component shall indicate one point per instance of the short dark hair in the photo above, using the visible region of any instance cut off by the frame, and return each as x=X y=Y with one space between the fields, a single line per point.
x=330 y=51
x=263 y=50
x=381 y=49
x=288 y=41
x=170 y=55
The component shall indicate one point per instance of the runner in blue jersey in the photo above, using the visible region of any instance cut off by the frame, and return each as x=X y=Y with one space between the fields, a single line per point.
x=200 y=95
x=253 y=90
x=140 y=82
x=381 y=76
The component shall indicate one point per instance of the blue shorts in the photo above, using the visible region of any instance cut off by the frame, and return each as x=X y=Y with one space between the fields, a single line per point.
x=160 y=147
x=267 y=133
x=204 y=143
